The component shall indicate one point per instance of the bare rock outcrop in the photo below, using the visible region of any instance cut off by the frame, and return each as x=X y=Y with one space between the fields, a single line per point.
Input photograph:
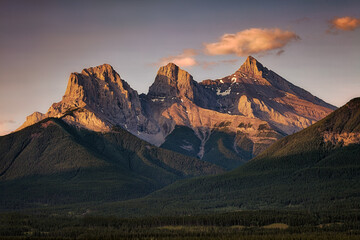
x=255 y=105
x=98 y=99
x=255 y=91
x=171 y=81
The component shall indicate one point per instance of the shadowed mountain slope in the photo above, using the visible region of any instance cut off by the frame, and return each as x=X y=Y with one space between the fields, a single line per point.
x=52 y=163
x=316 y=168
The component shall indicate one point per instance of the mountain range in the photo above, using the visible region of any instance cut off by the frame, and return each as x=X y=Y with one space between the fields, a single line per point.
x=153 y=153
x=225 y=121
x=315 y=169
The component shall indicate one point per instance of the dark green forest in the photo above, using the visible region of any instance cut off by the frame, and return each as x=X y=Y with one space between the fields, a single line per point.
x=299 y=188
x=53 y=163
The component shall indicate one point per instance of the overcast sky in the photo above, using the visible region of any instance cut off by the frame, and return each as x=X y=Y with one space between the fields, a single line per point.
x=313 y=44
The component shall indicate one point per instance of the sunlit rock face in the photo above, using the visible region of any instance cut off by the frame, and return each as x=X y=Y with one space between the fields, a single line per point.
x=98 y=99
x=171 y=81
x=343 y=126
x=254 y=103
x=254 y=106
x=344 y=138
x=255 y=91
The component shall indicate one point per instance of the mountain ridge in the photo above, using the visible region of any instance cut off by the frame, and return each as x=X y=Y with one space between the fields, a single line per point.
x=99 y=99
x=53 y=162
x=300 y=171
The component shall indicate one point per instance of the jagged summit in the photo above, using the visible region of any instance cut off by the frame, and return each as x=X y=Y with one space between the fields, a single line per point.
x=98 y=99
x=250 y=72
x=172 y=81
x=255 y=91
x=103 y=72
x=101 y=69
x=243 y=113
x=252 y=67
x=171 y=65
x=90 y=81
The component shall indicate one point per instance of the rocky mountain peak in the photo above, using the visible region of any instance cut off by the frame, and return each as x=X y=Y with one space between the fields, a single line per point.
x=256 y=106
x=102 y=72
x=93 y=82
x=172 y=81
x=97 y=99
x=252 y=67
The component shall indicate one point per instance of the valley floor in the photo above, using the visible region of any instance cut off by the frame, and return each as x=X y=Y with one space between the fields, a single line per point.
x=251 y=225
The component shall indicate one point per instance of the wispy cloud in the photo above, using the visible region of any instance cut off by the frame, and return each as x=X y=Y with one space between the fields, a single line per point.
x=188 y=59
x=244 y=43
x=4 y=128
x=185 y=59
x=344 y=23
x=211 y=64
x=2 y=122
x=251 y=41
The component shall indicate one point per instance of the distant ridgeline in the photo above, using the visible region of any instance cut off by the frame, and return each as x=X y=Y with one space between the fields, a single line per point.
x=315 y=169
x=225 y=121
x=100 y=144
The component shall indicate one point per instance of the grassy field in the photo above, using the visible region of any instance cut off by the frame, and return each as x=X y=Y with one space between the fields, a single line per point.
x=237 y=225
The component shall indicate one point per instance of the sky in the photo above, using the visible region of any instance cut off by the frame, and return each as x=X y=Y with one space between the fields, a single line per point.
x=313 y=44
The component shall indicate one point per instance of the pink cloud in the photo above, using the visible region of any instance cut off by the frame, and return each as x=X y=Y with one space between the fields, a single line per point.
x=4 y=126
x=211 y=64
x=185 y=59
x=251 y=41
x=345 y=23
